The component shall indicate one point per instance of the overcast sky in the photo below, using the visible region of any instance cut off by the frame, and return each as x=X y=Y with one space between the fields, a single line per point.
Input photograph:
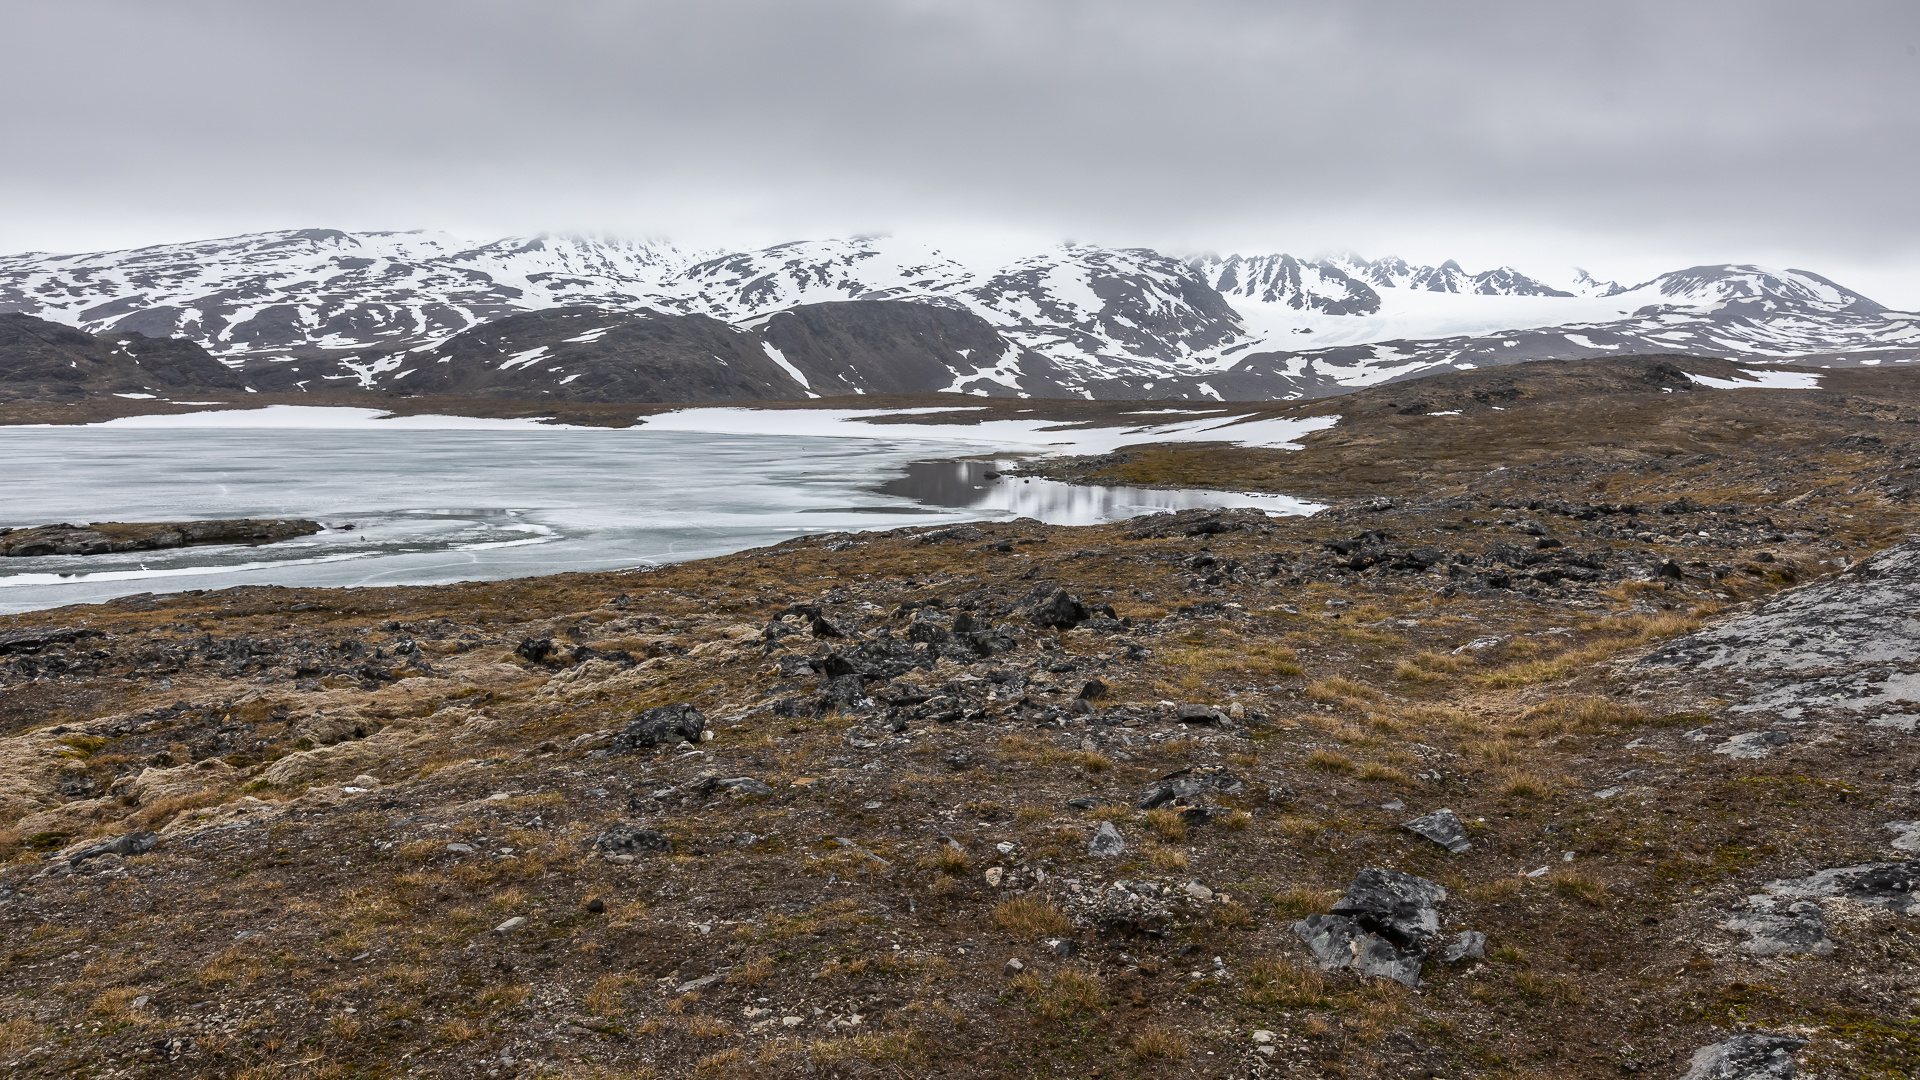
x=1627 y=137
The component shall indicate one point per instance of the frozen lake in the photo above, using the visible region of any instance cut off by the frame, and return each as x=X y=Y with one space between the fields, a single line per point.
x=430 y=506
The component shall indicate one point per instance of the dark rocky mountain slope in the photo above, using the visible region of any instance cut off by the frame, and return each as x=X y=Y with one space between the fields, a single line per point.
x=45 y=361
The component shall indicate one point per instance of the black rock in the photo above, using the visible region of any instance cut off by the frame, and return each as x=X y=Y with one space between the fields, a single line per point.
x=1396 y=905
x=1060 y=611
x=843 y=691
x=596 y=906
x=534 y=650
x=1083 y=804
x=1443 y=827
x=625 y=840
x=793 y=665
x=133 y=843
x=1190 y=783
x=1339 y=942
x=665 y=725
x=1200 y=714
x=960 y=759
x=1670 y=570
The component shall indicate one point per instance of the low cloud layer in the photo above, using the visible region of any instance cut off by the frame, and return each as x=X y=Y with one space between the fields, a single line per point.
x=1629 y=135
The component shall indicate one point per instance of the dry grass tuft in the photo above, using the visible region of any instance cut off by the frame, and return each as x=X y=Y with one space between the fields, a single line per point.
x=1338 y=690
x=1070 y=992
x=1166 y=859
x=1277 y=984
x=1156 y=1043
x=1585 y=888
x=1030 y=916
x=1520 y=784
x=1166 y=824
x=1301 y=901
x=948 y=860
x=1330 y=761
x=1373 y=770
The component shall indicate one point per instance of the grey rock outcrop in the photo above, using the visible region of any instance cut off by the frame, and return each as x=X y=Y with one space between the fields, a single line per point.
x=1746 y=1057
x=1380 y=927
x=1443 y=827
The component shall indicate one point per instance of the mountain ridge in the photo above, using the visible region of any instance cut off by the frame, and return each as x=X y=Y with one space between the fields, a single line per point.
x=1076 y=320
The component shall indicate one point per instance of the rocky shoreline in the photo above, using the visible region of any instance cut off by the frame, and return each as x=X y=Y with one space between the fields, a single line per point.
x=109 y=537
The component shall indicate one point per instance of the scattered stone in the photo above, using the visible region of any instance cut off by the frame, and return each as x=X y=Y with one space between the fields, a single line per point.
x=596 y=906
x=1014 y=966
x=511 y=925
x=1443 y=827
x=460 y=849
x=1083 y=803
x=1106 y=843
x=664 y=726
x=960 y=760
x=624 y=840
x=1470 y=945
x=792 y=1021
x=696 y=985
x=1263 y=1036
x=1800 y=931
x=1909 y=838
x=1063 y=947
x=1191 y=783
x=1758 y=1056
x=994 y=874
x=1198 y=891
x=1753 y=744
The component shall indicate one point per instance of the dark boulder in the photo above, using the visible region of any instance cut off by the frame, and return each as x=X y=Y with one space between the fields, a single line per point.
x=626 y=840
x=1061 y=611
x=1190 y=784
x=663 y=726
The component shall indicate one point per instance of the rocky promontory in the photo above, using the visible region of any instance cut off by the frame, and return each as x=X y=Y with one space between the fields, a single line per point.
x=109 y=537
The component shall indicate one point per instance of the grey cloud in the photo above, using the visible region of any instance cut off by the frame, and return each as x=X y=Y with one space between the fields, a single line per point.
x=1783 y=126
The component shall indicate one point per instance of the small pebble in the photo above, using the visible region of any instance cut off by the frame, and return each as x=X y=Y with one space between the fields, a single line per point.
x=596 y=905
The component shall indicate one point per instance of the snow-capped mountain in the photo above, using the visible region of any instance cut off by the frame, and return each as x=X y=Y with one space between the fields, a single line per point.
x=322 y=307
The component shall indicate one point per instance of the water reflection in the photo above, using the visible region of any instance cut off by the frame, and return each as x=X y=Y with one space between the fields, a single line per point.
x=985 y=487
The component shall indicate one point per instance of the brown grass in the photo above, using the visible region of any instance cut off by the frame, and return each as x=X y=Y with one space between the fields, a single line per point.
x=1575 y=885
x=1338 y=690
x=1157 y=1042
x=1330 y=761
x=1070 y=992
x=1373 y=770
x=1277 y=984
x=1301 y=901
x=1520 y=784
x=1031 y=917
x=1168 y=825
